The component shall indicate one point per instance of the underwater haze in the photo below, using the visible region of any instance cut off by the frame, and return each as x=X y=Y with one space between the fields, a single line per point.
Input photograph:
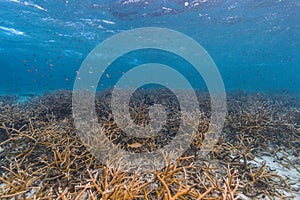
x=255 y=44
x=95 y=99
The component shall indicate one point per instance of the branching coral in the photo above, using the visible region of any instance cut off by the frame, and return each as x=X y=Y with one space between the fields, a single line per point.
x=42 y=157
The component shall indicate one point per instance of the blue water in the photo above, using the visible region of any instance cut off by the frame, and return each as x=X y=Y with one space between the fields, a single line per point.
x=255 y=44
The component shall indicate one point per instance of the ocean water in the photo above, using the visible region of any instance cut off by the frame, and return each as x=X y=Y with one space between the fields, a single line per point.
x=153 y=98
x=255 y=44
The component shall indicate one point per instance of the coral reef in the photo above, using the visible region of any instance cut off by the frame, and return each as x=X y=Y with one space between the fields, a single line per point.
x=42 y=157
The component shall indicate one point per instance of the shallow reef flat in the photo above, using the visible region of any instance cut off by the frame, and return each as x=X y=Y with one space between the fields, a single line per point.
x=256 y=156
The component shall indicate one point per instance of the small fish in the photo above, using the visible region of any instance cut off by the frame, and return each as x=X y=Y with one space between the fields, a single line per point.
x=135 y=145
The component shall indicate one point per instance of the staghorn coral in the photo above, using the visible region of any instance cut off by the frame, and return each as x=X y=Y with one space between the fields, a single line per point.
x=42 y=157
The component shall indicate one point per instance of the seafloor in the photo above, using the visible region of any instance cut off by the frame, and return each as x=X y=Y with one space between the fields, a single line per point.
x=256 y=157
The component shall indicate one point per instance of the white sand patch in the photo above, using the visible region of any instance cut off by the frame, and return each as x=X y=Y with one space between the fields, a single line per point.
x=292 y=176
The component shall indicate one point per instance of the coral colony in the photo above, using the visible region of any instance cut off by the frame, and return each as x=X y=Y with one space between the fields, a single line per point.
x=42 y=157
